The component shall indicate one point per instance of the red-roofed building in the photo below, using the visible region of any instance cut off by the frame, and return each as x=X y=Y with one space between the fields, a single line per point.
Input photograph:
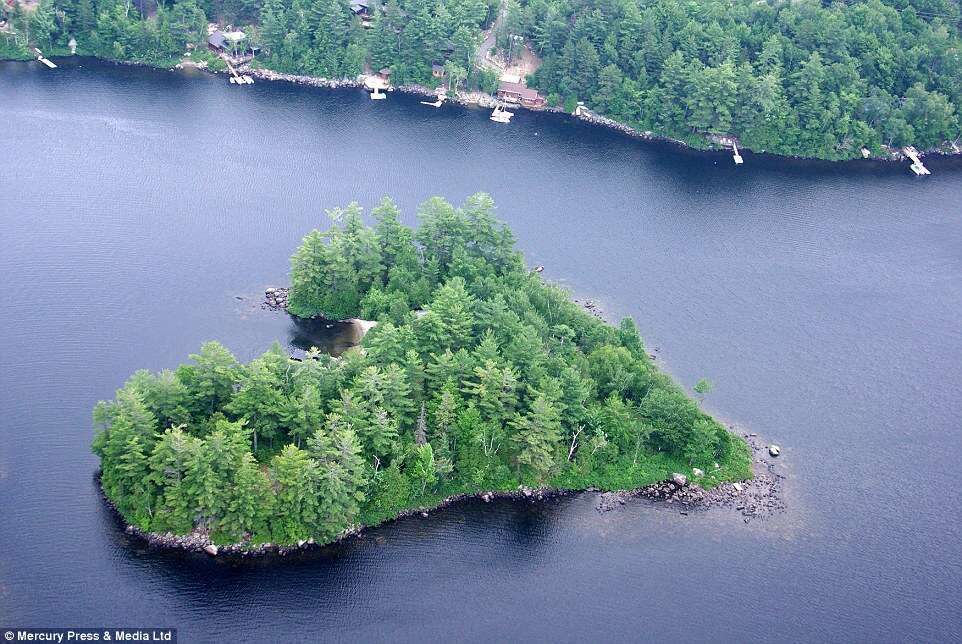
x=518 y=93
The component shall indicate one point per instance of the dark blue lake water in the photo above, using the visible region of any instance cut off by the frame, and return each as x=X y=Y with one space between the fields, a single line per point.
x=822 y=300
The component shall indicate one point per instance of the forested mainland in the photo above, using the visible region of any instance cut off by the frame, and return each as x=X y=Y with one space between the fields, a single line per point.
x=479 y=376
x=804 y=77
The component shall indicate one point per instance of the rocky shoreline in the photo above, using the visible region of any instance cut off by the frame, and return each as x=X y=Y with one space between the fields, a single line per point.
x=759 y=497
x=481 y=99
x=199 y=540
x=275 y=298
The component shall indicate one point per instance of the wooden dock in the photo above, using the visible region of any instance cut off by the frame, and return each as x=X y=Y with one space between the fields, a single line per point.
x=236 y=78
x=737 y=157
x=917 y=167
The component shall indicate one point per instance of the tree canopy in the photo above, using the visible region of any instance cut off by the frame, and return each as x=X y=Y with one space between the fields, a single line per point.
x=478 y=376
x=808 y=78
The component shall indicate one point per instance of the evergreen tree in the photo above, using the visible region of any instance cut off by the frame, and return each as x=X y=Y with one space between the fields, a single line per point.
x=536 y=437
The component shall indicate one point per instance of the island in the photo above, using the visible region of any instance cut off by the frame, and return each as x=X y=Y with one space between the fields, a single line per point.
x=479 y=378
x=841 y=80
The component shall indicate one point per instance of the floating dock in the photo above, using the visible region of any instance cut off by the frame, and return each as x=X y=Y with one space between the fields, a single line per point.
x=238 y=79
x=917 y=167
x=378 y=95
x=737 y=157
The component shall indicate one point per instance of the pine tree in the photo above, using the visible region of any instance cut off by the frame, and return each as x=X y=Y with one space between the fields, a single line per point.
x=210 y=380
x=537 y=434
x=305 y=413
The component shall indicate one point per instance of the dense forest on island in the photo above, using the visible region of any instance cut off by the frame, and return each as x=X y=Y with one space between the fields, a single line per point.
x=478 y=376
x=807 y=78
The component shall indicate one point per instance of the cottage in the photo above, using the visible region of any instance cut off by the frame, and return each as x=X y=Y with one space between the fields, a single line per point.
x=230 y=42
x=437 y=71
x=361 y=8
x=217 y=41
x=385 y=74
x=518 y=93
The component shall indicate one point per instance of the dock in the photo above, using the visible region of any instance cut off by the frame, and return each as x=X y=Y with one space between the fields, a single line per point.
x=376 y=83
x=737 y=157
x=236 y=78
x=917 y=167
x=45 y=61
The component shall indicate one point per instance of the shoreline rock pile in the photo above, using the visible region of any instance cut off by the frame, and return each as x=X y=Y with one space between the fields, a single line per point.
x=267 y=74
x=593 y=308
x=275 y=298
x=756 y=498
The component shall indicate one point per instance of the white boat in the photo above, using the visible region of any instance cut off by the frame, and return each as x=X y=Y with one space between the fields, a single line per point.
x=501 y=115
x=437 y=103
x=40 y=57
x=917 y=167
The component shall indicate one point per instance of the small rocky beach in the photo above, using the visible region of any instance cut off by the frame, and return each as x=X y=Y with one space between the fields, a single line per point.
x=757 y=498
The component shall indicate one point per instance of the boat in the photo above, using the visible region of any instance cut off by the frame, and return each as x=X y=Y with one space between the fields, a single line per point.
x=501 y=115
x=438 y=103
x=917 y=167
x=42 y=59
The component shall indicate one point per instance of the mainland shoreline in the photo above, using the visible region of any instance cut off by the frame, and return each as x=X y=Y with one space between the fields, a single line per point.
x=483 y=100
